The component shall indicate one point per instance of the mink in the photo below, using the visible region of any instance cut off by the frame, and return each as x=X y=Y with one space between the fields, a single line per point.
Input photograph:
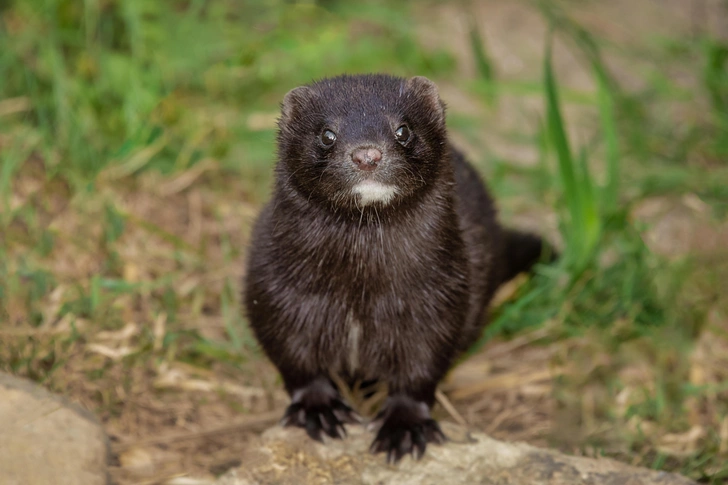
x=377 y=255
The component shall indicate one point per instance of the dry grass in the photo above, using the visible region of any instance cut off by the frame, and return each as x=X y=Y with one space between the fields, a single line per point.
x=180 y=237
x=171 y=410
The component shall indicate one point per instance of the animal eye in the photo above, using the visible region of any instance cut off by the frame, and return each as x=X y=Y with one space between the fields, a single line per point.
x=402 y=134
x=328 y=138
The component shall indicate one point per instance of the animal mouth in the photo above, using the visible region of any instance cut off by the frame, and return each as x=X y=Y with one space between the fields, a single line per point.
x=371 y=191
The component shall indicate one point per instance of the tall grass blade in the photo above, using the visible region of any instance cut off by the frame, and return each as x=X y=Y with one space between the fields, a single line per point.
x=588 y=201
x=610 y=196
x=560 y=143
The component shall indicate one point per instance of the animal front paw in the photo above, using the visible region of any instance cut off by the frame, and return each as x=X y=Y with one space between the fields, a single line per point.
x=318 y=407
x=406 y=428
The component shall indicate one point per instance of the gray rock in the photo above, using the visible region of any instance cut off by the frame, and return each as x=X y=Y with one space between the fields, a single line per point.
x=46 y=440
x=286 y=456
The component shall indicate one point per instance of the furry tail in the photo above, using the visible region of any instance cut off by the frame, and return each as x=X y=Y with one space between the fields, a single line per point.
x=523 y=250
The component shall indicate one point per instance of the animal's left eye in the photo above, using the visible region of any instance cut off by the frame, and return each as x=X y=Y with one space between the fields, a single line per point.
x=328 y=138
x=402 y=134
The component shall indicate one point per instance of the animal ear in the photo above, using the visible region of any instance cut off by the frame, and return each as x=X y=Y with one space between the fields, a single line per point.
x=425 y=90
x=294 y=101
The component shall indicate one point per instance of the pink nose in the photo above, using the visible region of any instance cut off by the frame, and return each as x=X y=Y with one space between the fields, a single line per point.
x=366 y=158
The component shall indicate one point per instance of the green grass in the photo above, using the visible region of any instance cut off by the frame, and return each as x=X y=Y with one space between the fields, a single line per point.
x=636 y=299
x=582 y=228
x=144 y=86
x=715 y=78
x=136 y=144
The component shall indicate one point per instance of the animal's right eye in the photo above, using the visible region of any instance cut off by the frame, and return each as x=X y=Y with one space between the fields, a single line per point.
x=328 y=138
x=402 y=134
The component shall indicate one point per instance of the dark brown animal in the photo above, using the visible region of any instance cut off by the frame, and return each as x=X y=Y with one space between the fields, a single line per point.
x=377 y=255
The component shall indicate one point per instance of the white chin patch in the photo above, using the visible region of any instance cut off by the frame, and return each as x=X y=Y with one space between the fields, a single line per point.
x=370 y=191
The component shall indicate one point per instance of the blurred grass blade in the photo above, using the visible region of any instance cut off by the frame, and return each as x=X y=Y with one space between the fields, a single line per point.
x=229 y=306
x=11 y=159
x=610 y=197
x=482 y=62
x=559 y=142
x=18 y=104
x=135 y=162
x=716 y=76
x=588 y=203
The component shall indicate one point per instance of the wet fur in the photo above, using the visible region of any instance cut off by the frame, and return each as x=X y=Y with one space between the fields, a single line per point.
x=414 y=275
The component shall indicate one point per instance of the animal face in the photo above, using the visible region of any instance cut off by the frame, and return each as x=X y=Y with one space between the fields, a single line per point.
x=353 y=142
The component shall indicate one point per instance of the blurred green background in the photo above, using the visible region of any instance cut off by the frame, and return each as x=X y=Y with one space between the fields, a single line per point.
x=137 y=140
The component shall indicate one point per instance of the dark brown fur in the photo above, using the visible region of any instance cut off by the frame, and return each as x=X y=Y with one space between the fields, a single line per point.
x=393 y=290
